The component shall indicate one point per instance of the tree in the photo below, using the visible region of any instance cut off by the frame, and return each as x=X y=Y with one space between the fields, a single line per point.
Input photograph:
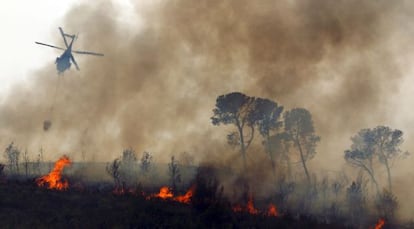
x=146 y=160
x=129 y=156
x=235 y=108
x=113 y=170
x=174 y=172
x=26 y=162
x=356 y=200
x=380 y=143
x=299 y=129
x=279 y=145
x=387 y=204
x=128 y=166
x=387 y=147
x=12 y=154
x=360 y=156
x=265 y=115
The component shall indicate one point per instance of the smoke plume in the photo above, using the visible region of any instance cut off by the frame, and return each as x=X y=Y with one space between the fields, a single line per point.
x=163 y=68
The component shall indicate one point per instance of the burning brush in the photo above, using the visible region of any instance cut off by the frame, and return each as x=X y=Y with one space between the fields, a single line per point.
x=54 y=178
x=379 y=224
x=252 y=210
x=166 y=193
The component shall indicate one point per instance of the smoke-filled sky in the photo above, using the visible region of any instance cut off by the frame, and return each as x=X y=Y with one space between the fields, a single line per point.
x=21 y=22
x=347 y=62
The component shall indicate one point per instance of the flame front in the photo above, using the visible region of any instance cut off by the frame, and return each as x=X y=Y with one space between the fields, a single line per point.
x=252 y=210
x=250 y=207
x=380 y=223
x=186 y=198
x=54 y=178
x=165 y=193
x=272 y=211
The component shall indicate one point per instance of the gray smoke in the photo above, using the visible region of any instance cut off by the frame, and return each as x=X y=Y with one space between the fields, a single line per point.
x=156 y=86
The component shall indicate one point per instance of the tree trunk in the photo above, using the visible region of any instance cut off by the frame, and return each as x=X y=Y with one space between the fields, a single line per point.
x=272 y=160
x=302 y=157
x=242 y=146
x=287 y=158
x=375 y=183
x=371 y=174
x=389 y=176
x=386 y=166
x=273 y=166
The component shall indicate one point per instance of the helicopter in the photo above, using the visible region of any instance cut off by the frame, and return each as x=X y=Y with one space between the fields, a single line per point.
x=63 y=62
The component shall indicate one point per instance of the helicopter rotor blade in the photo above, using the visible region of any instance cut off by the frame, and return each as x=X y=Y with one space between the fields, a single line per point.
x=52 y=46
x=64 y=37
x=87 y=53
x=74 y=62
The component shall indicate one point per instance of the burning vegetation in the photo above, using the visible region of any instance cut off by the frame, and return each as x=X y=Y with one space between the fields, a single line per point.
x=246 y=108
x=54 y=179
x=288 y=139
x=205 y=196
x=272 y=210
x=165 y=193
x=380 y=224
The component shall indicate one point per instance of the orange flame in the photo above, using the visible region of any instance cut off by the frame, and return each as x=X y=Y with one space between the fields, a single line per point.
x=54 y=178
x=165 y=193
x=250 y=207
x=380 y=223
x=272 y=211
x=186 y=198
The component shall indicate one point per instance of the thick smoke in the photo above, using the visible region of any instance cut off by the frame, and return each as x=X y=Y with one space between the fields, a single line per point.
x=156 y=86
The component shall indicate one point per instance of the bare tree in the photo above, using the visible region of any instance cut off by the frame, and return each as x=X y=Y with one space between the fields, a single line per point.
x=26 y=162
x=113 y=169
x=12 y=155
x=146 y=161
x=129 y=166
x=174 y=172
x=129 y=156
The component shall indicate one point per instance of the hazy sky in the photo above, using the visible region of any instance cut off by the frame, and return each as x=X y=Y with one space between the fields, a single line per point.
x=389 y=87
x=24 y=22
